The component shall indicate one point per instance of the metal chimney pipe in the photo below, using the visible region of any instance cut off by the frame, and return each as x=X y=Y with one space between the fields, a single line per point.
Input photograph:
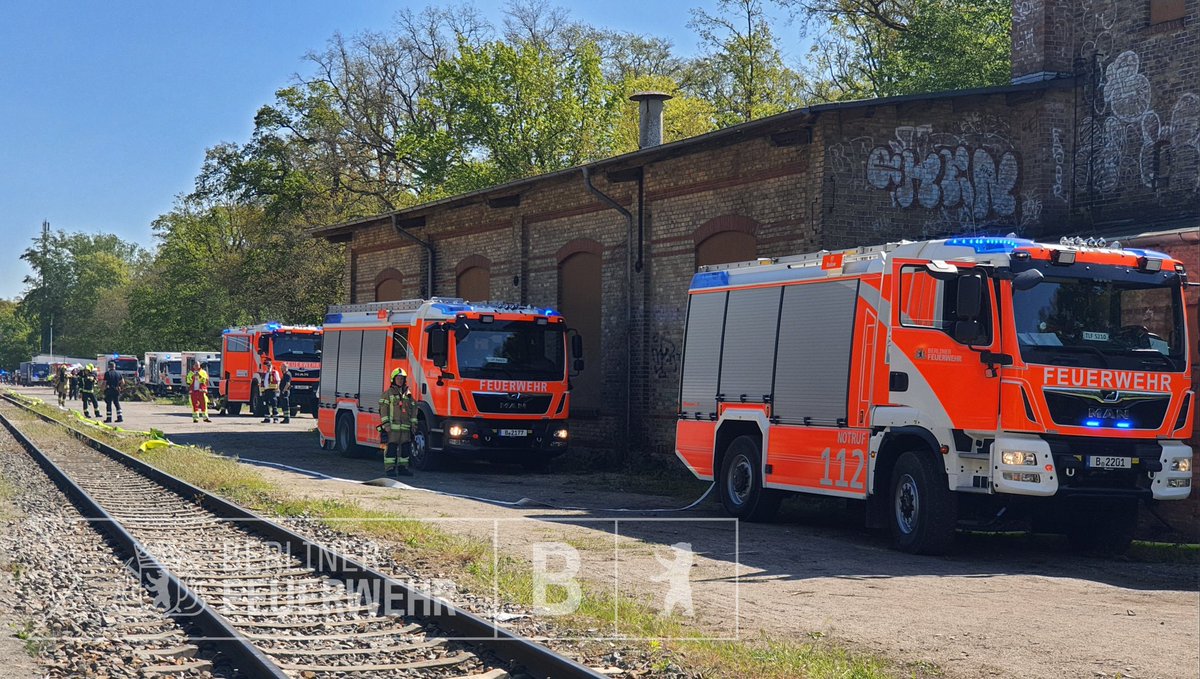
x=650 y=117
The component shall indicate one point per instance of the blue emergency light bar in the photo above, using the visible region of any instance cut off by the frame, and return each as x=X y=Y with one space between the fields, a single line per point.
x=710 y=279
x=989 y=244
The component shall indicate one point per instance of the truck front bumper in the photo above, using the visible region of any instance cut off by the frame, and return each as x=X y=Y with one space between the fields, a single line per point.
x=505 y=439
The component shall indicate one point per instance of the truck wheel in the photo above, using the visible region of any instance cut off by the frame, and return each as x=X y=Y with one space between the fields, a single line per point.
x=256 y=405
x=740 y=483
x=1102 y=528
x=343 y=432
x=233 y=409
x=924 y=511
x=423 y=455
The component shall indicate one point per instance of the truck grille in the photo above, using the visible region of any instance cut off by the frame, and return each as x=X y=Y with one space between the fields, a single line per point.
x=1077 y=408
x=523 y=404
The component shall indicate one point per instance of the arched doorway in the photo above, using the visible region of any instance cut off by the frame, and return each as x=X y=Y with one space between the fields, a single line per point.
x=389 y=286
x=724 y=247
x=473 y=279
x=580 y=290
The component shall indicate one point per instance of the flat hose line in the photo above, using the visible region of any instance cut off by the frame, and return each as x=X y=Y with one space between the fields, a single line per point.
x=523 y=502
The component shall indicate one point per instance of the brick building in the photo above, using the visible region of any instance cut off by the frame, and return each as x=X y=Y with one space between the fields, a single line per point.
x=1099 y=132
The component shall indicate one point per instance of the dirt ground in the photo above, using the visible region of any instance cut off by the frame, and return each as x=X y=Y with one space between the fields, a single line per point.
x=14 y=658
x=997 y=606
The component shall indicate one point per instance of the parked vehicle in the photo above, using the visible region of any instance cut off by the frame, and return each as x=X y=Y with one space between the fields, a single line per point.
x=243 y=350
x=155 y=373
x=970 y=380
x=127 y=366
x=212 y=362
x=489 y=380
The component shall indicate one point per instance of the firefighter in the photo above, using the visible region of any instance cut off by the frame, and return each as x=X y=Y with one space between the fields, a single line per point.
x=73 y=384
x=285 y=395
x=60 y=385
x=87 y=390
x=398 y=416
x=270 y=392
x=112 y=393
x=197 y=385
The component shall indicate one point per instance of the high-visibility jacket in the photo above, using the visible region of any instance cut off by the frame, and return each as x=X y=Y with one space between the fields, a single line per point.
x=87 y=382
x=271 y=380
x=398 y=414
x=191 y=380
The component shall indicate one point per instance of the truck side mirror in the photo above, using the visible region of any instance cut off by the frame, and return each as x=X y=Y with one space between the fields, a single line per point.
x=577 y=347
x=264 y=344
x=1027 y=280
x=966 y=332
x=439 y=345
x=577 y=366
x=969 y=299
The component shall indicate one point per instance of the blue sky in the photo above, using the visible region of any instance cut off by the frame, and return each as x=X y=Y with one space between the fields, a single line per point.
x=106 y=108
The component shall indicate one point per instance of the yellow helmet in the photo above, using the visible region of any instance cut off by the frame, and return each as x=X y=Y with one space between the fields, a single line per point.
x=398 y=372
x=91 y=367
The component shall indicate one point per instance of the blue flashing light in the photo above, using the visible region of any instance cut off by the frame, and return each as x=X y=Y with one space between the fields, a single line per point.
x=273 y=326
x=1092 y=423
x=1124 y=424
x=333 y=318
x=989 y=244
x=451 y=309
x=710 y=279
x=550 y=312
x=1147 y=253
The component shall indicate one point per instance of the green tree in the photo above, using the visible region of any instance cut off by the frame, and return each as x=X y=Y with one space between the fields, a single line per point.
x=879 y=48
x=520 y=110
x=743 y=74
x=684 y=115
x=18 y=339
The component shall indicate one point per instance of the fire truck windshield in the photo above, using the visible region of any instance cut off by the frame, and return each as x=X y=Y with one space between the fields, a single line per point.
x=126 y=364
x=1122 y=323
x=518 y=349
x=305 y=347
x=172 y=367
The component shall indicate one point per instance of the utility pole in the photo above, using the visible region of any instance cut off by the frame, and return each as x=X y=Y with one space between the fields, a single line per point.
x=47 y=333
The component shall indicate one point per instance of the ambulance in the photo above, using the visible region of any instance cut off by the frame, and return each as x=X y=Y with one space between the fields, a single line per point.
x=979 y=381
x=244 y=351
x=490 y=380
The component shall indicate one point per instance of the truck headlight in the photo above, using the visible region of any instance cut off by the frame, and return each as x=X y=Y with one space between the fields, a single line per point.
x=561 y=434
x=1018 y=457
x=1181 y=464
x=457 y=430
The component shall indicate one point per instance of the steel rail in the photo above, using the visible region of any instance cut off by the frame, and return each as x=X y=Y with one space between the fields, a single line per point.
x=393 y=596
x=189 y=609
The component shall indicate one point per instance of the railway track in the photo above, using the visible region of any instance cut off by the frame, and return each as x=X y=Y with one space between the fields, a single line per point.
x=271 y=602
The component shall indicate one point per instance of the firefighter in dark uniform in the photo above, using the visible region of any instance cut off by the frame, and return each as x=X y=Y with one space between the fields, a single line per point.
x=87 y=390
x=112 y=393
x=285 y=395
x=398 y=417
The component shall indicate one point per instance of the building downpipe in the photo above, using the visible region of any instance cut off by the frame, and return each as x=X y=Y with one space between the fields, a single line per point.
x=428 y=253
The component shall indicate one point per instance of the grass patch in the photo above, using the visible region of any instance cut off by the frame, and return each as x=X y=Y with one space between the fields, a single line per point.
x=471 y=563
x=176 y=400
x=1164 y=552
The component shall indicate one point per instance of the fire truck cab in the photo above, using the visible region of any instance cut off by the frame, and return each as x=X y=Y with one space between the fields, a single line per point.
x=126 y=366
x=243 y=353
x=489 y=380
x=972 y=381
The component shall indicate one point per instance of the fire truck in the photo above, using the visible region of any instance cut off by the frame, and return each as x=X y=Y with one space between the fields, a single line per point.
x=126 y=366
x=490 y=380
x=243 y=352
x=976 y=381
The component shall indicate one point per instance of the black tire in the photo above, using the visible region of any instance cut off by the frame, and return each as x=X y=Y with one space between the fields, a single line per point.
x=923 y=510
x=1101 y=528
x=740 y=483
x=257 y=407
x=233 y=409
x=423 y=456
x=344 y=440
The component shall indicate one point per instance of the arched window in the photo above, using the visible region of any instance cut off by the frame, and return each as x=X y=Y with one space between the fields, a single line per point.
x=389 y=285
x=726 y=239
x=473 y=279
x=580 y=290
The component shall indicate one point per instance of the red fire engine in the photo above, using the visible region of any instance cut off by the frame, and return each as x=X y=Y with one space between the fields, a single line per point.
x=490 y=379
x=243 y=351
x=970 y=380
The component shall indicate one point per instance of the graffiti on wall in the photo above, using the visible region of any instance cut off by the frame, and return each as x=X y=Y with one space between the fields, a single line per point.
x=664 y=356
x=976 y=175
x=1127 y=142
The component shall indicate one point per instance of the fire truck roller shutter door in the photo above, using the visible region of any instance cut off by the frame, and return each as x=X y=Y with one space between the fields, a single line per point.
x=812 y=365
x=329 y=363
x=349 y=359
x=370 y=374
x=702 y=353
x=748 y=354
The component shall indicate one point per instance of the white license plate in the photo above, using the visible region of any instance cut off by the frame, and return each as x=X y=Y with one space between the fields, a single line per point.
x=301 y=387
x=1109 y=462
x=514 y=432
